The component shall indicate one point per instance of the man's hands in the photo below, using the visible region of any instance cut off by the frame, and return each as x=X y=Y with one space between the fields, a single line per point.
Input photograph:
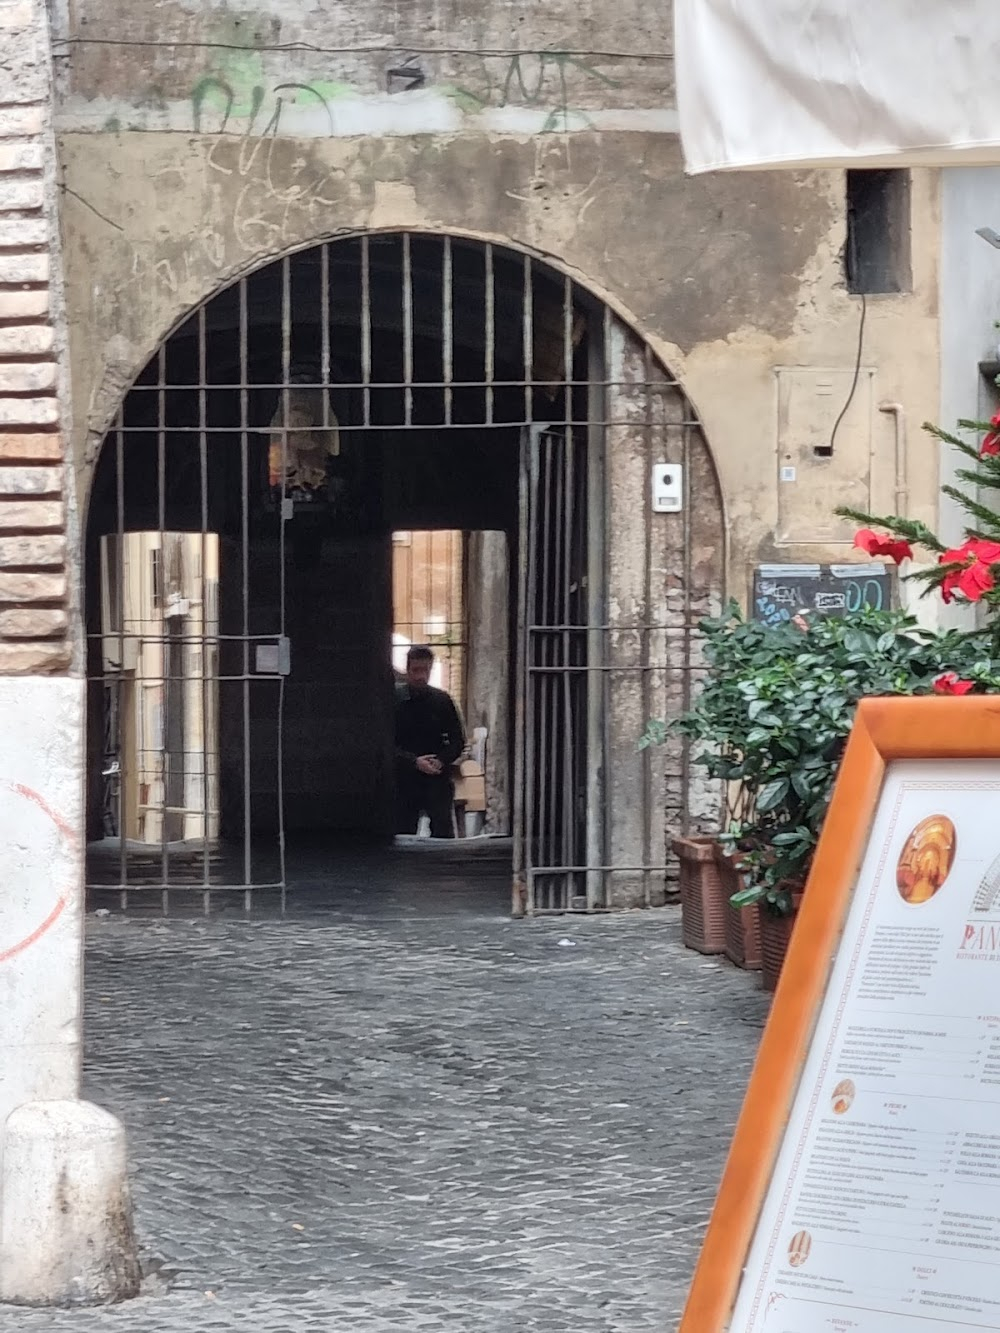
x=429 y=764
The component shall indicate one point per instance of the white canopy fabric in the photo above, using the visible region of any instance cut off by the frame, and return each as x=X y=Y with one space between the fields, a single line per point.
x=802 y=83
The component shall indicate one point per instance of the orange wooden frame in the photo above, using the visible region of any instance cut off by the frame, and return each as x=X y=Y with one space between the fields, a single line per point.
x=884 y=730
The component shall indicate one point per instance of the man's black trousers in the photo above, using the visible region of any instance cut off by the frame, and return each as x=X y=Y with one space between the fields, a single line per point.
x=420 y=794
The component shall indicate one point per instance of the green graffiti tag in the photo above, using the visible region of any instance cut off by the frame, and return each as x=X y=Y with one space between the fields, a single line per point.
x=538 y=80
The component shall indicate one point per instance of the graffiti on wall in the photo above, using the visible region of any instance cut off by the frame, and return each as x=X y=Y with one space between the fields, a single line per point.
x=541 y=81
x=215 y=104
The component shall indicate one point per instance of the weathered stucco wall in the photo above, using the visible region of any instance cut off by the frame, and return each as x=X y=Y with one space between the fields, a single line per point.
x=728 y=278
x=302 y=68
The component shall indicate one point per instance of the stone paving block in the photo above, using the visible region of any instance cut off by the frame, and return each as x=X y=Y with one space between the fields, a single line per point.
x=364 y=1121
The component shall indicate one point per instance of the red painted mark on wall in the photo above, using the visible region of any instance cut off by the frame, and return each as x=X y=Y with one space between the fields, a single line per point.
x=63 y=900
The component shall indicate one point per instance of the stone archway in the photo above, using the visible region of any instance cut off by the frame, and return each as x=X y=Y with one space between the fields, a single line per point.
x=207 y=209
x=531 y=410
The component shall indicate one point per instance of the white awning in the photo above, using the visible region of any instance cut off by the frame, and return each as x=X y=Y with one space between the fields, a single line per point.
x=800 y=83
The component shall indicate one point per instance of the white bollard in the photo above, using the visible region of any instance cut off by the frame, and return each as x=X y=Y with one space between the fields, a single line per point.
x=66 y=1235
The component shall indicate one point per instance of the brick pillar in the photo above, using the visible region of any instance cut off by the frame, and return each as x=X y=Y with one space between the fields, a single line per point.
x=47 y=1136
x=34 y=622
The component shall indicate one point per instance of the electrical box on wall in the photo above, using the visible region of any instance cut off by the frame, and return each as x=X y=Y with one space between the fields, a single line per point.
x=668 y=488
x=813 y=477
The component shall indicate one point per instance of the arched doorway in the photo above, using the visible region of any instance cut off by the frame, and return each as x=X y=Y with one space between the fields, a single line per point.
x=240 y=546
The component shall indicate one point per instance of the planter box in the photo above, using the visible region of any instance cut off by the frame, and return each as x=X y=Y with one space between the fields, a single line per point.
x=742 y=924
x=775 y=933
x=703 y=904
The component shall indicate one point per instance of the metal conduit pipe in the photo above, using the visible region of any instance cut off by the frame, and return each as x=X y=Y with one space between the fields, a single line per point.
x=897 y=412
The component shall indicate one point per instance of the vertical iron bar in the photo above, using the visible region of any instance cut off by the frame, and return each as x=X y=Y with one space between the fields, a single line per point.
x=607 y=647
x=568 y=851
x=490 y=334
x=519 y=888
x=119 y=561
x=598 y=371
x=556 y=502
x=324 y=346
x=324 y=318
x=645 y=631
x=281 y=794
x=568 y=346
x=532 y=740
x=203 y=470
x=407 y=331
x=528 y=336
x=569 y=682
x=366 y=329
x=161 y=519
x=286 y=367
x=546 y=728
x=447 y=328
x=245 y=588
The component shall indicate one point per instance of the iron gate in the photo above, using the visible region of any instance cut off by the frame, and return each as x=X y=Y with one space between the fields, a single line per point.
x=266 y=426
x=558 y=742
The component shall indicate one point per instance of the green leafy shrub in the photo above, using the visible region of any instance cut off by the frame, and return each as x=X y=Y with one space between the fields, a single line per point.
x=774 y=713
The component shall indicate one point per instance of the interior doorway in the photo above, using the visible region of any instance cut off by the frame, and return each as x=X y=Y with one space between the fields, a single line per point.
x=451 y=593
x=292 y=436
x=428 y=604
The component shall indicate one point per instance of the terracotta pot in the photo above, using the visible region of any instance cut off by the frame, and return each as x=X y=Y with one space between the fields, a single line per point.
x=703 y=904
x=742 y=923
x=775 y=934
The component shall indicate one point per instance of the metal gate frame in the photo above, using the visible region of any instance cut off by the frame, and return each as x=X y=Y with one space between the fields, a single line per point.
x=558 y=829
x=163 y=867
x=572 y=653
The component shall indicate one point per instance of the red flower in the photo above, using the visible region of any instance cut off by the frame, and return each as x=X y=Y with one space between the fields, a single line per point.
x=991 y=441
x=871 y=542
x=976 y=575
x=949 y=683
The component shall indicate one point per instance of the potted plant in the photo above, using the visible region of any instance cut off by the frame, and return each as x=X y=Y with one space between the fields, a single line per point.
x=742 y=924
x=699 y=880
x=802 y=705
x=718 y=721
x=773 y=717
x=703 y=898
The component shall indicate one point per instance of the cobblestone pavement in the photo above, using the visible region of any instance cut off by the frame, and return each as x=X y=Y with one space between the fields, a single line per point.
x=397 y=1109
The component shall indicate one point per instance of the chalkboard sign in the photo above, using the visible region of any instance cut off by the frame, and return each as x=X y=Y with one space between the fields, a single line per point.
x=783 y=591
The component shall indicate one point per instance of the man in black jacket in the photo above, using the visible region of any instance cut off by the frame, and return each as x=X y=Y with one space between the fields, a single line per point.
x=429 y=738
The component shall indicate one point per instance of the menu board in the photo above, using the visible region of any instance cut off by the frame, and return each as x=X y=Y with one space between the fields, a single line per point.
x=781 y=592
x=883 y=1210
